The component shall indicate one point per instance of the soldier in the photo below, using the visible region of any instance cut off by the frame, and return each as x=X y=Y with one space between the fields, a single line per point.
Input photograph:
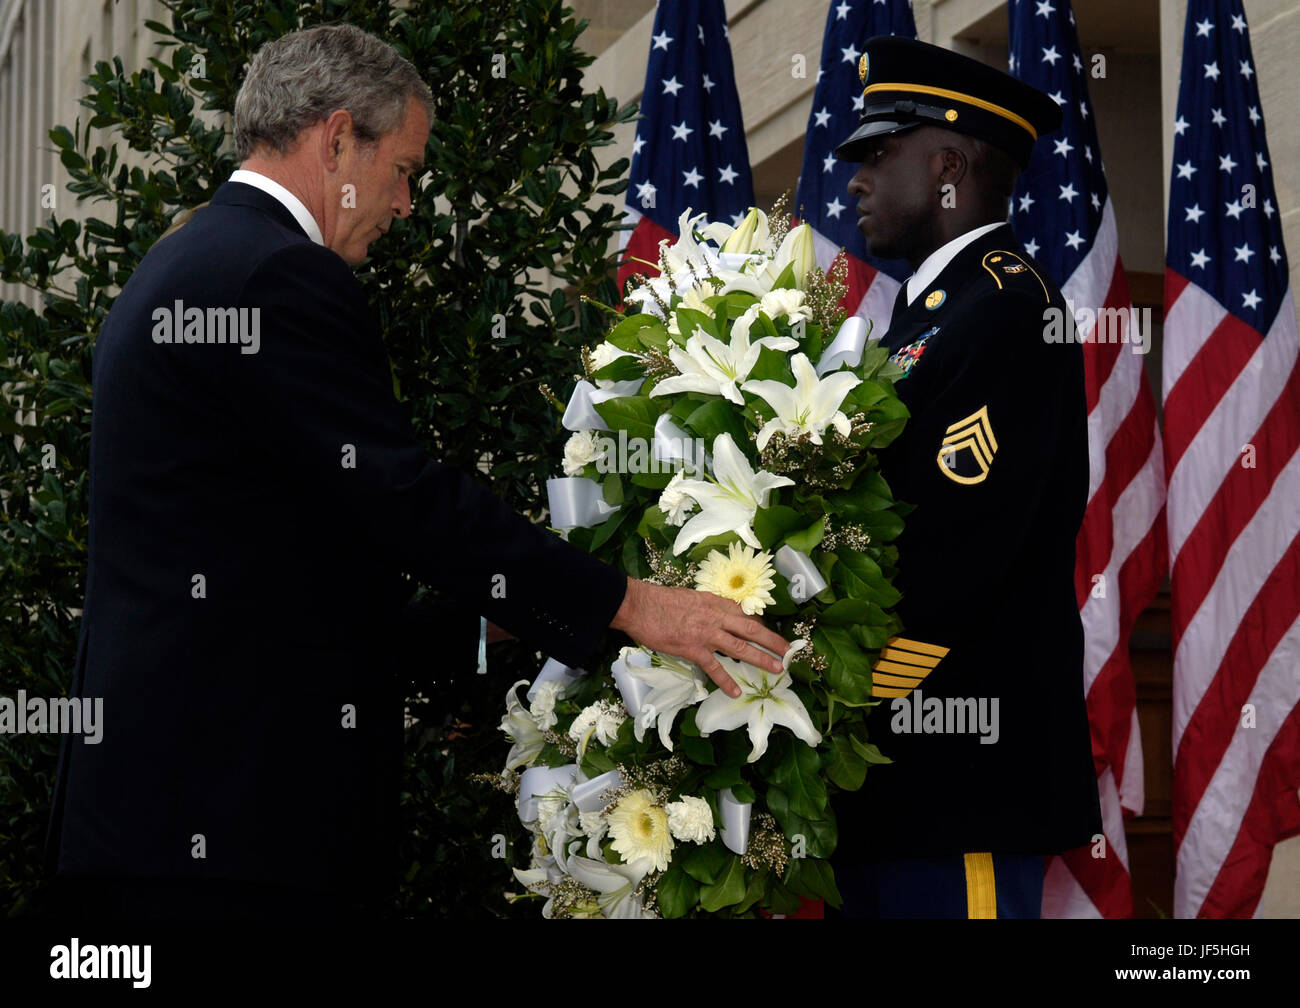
x=982 y=703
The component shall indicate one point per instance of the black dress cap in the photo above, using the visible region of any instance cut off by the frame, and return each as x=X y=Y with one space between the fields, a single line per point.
x=907 y=83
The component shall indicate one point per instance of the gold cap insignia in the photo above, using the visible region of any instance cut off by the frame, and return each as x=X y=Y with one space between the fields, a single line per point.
x=975 y=435
x=863 y=65
x=934 y=299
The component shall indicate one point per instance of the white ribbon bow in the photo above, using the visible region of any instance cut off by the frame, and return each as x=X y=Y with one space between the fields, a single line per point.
x=846 y=347
x=581 y=413
x=577 y=502
x=735 y=821
x=792 y=563
x=555 y=670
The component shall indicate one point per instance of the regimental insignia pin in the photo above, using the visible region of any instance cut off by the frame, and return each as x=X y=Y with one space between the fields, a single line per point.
x=863 y=66
x=1015 y=268
x=935 y=298
x=968 y=448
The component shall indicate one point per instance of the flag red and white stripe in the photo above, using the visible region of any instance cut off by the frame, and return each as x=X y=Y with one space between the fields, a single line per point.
x=1232 y=448
x=1119 y=565
x=1064 y=216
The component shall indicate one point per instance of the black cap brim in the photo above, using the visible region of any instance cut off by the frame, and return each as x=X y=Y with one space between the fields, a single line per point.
x=855 y=147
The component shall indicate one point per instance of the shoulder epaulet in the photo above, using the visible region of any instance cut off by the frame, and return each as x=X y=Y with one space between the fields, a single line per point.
x=1010 y=269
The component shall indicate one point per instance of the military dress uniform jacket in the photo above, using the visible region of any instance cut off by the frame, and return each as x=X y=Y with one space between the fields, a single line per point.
x=995 y=460
x=251 y=519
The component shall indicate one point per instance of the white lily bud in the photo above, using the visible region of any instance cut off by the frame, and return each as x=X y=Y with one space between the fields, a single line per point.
x=751 y=236
x=803 y=254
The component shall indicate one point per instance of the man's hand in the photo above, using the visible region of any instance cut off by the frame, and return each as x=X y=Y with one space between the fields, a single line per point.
x=692 y=625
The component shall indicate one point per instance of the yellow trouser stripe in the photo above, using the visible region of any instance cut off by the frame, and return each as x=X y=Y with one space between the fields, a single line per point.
x=981 y=895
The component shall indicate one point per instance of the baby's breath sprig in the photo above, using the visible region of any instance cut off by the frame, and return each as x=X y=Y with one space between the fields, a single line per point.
x=666 y=571
x=561 y=742
x=778 y=219
x=855 y=537
x=550 y=397
x=824 y=293
x=506 y=780
x=768 y=847
x=658 y=364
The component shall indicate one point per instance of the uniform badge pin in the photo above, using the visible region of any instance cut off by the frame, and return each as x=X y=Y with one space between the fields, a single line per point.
x=935 y=298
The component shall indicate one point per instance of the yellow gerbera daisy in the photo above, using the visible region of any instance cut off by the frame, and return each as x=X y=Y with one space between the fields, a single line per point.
x=639 y=829
x=740 y=575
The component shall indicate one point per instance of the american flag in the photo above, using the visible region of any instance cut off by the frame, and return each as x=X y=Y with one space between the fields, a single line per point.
x=690 y=148
x=1232 y=430
x=822 y=198
x=1063 y=215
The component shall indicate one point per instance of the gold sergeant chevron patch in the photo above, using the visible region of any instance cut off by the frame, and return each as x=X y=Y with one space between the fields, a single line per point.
x=903 y=664
x=968 y=448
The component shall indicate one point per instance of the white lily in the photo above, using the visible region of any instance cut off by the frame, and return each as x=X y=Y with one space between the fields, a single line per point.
x=765 y=700
x=810 y=407
x=753 y=234
x=674 y=684
x=728 y=501
x=522 y=730
x=708 y=365
x=693 y=298
x=796 y=250
x=614 y=884
x=649 y=294
x=688 y=261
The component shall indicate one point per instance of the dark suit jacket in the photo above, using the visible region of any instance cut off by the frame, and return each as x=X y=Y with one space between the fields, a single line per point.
x=229 y=700
x=995 y=459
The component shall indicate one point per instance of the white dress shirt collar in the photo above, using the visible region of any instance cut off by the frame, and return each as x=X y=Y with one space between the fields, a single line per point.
x=941 y=257
x=291 y=202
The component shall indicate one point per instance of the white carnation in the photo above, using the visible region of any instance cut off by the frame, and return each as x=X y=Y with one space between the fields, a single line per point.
x=548 y=807
x=543 y=706
x=784 y=303
x=691 y=819
x=606 y=353
x=582 y=449
x=676 y=504
x=592 y=824
x=600 y=720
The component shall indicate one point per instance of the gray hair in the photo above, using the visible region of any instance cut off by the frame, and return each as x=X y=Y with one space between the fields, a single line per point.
x=299 y=79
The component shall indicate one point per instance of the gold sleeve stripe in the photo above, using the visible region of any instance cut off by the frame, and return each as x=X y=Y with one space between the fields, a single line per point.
x=885 y=679
x=973 y=436
x=891 y=691
x=904 y=643
x=981 y=889
x=908 y=672
x=979 y=420
x=907 y=657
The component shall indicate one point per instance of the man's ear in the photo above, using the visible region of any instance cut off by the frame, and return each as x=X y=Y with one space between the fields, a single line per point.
x=954 y=165
x=335 y=138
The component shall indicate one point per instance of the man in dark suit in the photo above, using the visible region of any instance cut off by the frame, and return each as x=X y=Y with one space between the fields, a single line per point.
x=256 y=495
x=982 y=704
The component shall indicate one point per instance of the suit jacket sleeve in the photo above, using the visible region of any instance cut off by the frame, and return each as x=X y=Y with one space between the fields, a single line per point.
x=982 y=451
x=319 y=389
